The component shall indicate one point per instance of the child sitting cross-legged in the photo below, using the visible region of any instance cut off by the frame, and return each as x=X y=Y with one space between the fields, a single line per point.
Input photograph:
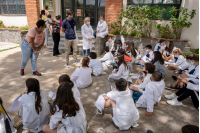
x=147 y=55
x=107 y=59
x=139 y=85
x=152 y=93
x=67 y=113
x=110 y=44
x=95 y=64
x=125 y=114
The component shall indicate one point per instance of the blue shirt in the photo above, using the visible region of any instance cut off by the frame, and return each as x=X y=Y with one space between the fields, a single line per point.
x=69 y=29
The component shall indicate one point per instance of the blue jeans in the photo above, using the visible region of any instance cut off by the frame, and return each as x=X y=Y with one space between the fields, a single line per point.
x=27 y=52
x=136 y=95
x=84 y=51
x=95 y=34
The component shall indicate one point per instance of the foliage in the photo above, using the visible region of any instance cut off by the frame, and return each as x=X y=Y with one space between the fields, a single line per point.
x=1 y=22
x=24 y=28
x=181 y=23
x=164 y=31
x=196 y=52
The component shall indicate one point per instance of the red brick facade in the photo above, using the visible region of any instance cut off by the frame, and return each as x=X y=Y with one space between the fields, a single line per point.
x=112 y=10
x=32 y=12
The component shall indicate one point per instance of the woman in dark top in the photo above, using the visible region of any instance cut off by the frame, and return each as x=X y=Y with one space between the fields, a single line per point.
x=56 y=35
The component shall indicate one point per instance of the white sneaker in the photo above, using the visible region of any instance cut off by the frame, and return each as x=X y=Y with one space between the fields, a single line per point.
x=67 y=65
x=174 y=102
x=25 y=131
x=98 y=111
x=172 y=96
x=77 y=63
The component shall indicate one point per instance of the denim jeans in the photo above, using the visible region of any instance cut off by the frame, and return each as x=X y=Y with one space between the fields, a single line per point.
x=84 y=51
x=136 y=95
x=94 y=34
x=47 y=35
x=27 y=52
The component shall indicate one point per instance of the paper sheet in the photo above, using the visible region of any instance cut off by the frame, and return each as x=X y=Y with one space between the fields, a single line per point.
x=135 y=76
x=144 y=58
x=132 y=74
x=15 y=105
x=52 y=95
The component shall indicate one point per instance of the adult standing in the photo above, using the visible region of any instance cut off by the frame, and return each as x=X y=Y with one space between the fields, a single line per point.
x=56 y=35
x=32 y=45
x=68 y=27
x=46 y=10
x=102 y=28
x=87 y=33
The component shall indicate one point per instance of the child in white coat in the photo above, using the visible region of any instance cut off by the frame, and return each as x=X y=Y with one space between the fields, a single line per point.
x=95 y=64
x=125 y=114
x=67 y=114
x=140 y=85
x=82 y=75
x=168 y=52
x=3 y=116
x=110 y=43
x=152 y=94
x=35 y=108
x=160 y=46
x=107 y=59
x=147 y=55
x=121 y=72
x=66 y=79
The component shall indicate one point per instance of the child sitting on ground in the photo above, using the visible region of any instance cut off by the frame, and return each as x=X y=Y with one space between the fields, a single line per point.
x=66 y=79
x=147 y=55
x=140 y=85
x=35 y=108
x=107 y=59
x=82 y=75
x=160 y=46
x=152 y=93
x=121 y=72
x=2 y=120
x=125 y=114
x=67 y=113
x=179 y=62
x=95 y=64
x=110 y=44
x=119 y=46
x=168 y=52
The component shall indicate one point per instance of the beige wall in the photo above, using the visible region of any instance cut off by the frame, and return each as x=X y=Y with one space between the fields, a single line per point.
x=192 y=33
x=57 y=8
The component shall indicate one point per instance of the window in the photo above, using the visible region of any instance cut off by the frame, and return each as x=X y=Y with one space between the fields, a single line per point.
x=167 y=4
x=12 y=7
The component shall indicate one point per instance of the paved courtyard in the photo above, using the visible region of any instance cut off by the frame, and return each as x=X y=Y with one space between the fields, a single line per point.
x=165 y=119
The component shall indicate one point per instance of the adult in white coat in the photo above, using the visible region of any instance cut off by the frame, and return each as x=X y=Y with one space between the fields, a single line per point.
x=102 y=28
x=87 y=33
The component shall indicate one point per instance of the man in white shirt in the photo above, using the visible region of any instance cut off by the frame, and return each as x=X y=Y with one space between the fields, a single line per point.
x=95 y=64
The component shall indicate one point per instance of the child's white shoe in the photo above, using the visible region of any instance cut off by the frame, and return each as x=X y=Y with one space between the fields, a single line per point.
x=174 y=102
x=172 y=96
x=98 y=111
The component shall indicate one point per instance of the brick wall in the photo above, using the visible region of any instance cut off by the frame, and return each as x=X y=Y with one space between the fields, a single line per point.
x=32 y=12
x=112 y=10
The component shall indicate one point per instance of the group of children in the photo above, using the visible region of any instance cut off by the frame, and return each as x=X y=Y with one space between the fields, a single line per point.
x=67 y=114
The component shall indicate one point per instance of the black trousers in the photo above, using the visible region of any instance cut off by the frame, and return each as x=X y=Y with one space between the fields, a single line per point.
x=184 y=93
x=56 y=40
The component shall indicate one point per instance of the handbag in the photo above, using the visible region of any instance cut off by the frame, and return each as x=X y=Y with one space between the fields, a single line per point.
x=127 y=58
x=6 y=121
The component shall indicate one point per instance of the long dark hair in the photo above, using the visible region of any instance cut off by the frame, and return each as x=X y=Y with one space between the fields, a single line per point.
x=65 y=101
x=131 y=49
x=121 y=60
x=65 y=78
x=121 y=51
x=42 y=13
x=33 y=85
x=158 y=57
x=171 y=47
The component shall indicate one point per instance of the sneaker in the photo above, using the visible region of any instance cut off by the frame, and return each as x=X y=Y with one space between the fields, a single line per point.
x=36 y=73
x=174 y=77
x=98 y=111
x=112 y=88
x=67 y=65
x=25 y=131
x=174 y=102
x=172 y=96
x=77 y=63
x=22 y=72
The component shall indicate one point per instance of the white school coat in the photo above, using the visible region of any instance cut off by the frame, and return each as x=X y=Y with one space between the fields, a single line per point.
x=152 y=95
x=161 y=47
x=181 y=62
x=87 y=32
x=195 y=80
x=2 y=124
x=102 y=28
x=107 y=59
x=188 y=66
x=82 y=77
x=146 y=80
x=77 y=124
x=111 y=45
x=76 y=92
x=150 y=55
x=30 y=118
x=195 y=74
x=171 y=54
x=123 y=72
x=125 y=114
x=97 y=67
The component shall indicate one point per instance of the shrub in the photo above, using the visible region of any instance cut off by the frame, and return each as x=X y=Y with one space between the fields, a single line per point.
x=24 y=28
x=196 y=52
